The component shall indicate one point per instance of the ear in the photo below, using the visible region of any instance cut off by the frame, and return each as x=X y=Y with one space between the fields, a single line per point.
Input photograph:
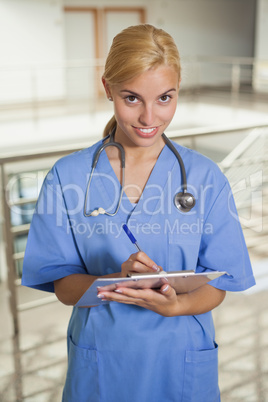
x=106 y=87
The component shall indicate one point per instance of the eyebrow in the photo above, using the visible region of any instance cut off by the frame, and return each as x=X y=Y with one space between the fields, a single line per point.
x=136 y=94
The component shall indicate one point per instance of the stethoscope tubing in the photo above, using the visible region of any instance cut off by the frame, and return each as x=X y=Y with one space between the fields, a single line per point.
x=94 y=164
x=183 y=201
x=176 y=153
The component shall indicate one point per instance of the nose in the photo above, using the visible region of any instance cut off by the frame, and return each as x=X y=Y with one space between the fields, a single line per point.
x=147 y=116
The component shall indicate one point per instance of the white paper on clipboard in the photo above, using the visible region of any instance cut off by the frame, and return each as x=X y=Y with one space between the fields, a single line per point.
x=181 y=281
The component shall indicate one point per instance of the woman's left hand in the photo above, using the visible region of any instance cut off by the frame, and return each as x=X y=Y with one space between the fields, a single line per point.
x=163 y=301
x=166 y=302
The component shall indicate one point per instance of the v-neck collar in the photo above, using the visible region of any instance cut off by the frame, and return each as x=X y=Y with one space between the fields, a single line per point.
x=152 y=194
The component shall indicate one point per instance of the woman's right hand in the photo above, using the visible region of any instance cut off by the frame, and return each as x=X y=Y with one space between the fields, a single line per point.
x=139 y=263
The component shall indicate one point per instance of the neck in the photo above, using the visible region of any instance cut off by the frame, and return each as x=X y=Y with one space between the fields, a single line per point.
x=139 y=153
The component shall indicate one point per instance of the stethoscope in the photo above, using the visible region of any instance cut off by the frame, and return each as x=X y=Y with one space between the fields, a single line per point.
x=183 y=201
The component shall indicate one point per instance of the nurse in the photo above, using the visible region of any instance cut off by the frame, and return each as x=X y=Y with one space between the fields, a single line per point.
x=144 y=345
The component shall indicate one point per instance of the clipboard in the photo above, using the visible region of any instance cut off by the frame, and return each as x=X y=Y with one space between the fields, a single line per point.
x=181 y=281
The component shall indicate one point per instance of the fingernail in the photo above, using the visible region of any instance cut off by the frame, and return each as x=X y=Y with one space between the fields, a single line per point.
x=155 y=268
x=100 y=296
x=118 y=291
x=165 y=288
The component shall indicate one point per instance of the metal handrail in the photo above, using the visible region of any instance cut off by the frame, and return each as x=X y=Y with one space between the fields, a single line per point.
x=229 y=60
x=238 y=151
x=33 y=97
x=92 y=62
x=99 y=62
x=60 y=150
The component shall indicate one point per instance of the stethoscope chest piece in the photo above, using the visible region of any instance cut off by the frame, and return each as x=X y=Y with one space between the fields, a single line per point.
x=184 y=201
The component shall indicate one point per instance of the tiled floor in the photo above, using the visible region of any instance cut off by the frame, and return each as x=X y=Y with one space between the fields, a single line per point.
x=37 y=370
x=242 y=332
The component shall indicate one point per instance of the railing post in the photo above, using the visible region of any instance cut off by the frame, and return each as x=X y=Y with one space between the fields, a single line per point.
x=34 y=92
x=8 y=239
x=236 y=73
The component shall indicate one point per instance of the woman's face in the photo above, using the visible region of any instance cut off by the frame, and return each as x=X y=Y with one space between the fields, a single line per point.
x=145 y=106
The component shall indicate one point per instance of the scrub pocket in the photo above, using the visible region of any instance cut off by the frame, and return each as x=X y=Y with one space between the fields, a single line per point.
x=183 y=251
x=201 y=376
x=82 y=381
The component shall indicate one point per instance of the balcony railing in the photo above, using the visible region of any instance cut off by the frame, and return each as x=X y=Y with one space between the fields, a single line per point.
x=18 y=198
x=72 y=82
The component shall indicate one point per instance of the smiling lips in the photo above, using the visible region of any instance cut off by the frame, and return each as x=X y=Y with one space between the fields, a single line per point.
x=146 y=132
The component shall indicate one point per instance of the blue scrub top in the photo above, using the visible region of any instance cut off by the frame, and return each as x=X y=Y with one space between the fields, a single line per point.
x=120 y=352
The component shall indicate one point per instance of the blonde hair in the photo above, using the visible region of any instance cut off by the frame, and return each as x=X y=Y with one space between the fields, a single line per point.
x=135 y=50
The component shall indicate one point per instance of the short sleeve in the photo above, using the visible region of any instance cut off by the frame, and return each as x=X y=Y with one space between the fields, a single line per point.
x=51 y=251
x=223 y=246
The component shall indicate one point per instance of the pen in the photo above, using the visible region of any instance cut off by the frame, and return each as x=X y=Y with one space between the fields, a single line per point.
x=131 y=237
x=134 y=241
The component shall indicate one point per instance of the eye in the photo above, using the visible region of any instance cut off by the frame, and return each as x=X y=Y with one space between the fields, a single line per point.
x=132 y=99
x=164 y=98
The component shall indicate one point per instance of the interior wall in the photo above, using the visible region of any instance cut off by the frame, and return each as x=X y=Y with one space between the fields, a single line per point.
x=210 y=28
x=31 y=33
x=30 y=30
x=80 y=45
x=261 y=48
